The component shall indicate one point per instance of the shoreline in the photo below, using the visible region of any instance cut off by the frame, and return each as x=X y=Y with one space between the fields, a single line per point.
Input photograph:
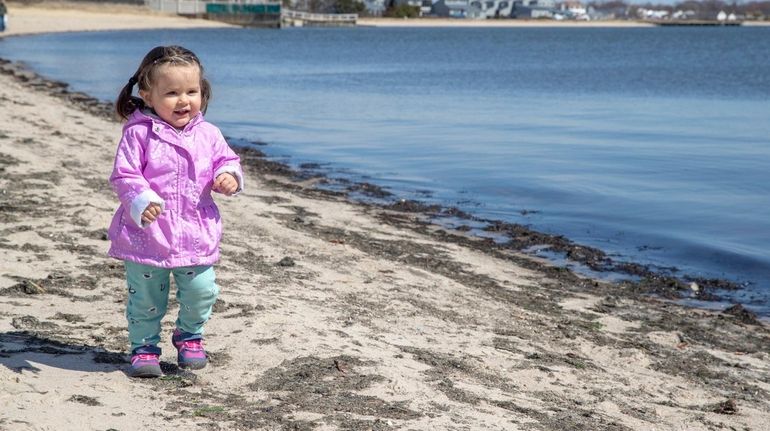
x=397 y=323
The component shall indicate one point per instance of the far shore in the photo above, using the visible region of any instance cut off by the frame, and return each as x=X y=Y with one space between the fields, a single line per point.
x=449 y=22
x=49 y=17
x=526 y=23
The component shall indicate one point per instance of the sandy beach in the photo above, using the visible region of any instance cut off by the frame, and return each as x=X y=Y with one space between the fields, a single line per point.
x=64 y=17
x=333 y=315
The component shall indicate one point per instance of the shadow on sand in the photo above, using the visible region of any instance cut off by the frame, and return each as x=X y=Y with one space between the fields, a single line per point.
x=22 y=350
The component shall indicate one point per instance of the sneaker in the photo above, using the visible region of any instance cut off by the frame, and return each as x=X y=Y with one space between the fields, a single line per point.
x=190 y=347
x=144 y=364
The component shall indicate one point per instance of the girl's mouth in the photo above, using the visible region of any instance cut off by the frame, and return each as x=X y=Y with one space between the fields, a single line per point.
x=181 y=111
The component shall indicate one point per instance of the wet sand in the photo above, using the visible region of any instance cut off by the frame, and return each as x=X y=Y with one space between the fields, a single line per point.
x=332 y=315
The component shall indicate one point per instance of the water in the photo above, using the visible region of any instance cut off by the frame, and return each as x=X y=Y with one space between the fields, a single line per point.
x=649 y=143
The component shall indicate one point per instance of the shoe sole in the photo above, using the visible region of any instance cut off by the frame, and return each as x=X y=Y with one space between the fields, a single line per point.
x=193 y=365
x=146 y=372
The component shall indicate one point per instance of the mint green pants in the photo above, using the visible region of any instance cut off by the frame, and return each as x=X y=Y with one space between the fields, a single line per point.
x=148 y=286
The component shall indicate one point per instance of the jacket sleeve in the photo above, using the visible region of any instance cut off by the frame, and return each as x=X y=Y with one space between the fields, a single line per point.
x=127 y=179
x=226 y=161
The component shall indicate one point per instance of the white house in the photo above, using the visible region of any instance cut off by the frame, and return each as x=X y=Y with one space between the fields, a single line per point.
x=721 y=16
x=458 y=9
x=425 y=6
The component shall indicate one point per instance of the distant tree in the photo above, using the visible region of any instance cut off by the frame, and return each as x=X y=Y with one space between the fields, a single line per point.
x=402 y=11
x=615 y=8
x=756 y=10
x=349 y=6
x=615 y=4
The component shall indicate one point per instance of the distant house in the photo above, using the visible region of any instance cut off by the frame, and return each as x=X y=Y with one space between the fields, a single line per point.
x=722 y=16
x=575 y=10
x=615 y=12
x=533 y=9
x=425 y=6
x=683 y=14
x=652 y=13
x=458 y=9
x=496 y=8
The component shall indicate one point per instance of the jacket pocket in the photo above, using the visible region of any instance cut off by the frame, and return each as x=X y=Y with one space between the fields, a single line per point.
x=151 y=242
x=159 y=234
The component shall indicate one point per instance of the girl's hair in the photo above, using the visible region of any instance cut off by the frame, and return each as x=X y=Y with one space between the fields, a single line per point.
x=145 y=75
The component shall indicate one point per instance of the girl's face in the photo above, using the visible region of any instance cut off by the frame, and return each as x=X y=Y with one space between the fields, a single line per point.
x=175 y=94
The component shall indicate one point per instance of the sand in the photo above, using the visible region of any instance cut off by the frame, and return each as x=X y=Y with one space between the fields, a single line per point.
x=63 y=17
x=332 y=315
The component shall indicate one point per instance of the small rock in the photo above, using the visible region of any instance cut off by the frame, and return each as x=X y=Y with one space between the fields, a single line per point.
x=286 y=261
x=727 y=407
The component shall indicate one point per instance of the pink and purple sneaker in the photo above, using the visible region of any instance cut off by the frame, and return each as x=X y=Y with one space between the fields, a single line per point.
x=191 y=354
x=145 y=362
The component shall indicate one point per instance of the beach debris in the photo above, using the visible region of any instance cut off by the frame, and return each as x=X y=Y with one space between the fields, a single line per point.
x=742 y=314
x=412 y=206
x=339 y=366
x=370 y=190
x=727 y=407
x=286 y=262
x=694 y=287
x=31 y=322
x=31 y=288
x=83 y=399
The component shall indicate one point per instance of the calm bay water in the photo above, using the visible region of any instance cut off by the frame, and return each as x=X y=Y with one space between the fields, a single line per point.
x=651 y=144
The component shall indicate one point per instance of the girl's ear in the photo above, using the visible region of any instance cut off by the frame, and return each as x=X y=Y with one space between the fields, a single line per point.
x=145 y=95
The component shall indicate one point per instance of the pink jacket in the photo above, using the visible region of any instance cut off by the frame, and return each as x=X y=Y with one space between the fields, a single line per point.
x=157 y=163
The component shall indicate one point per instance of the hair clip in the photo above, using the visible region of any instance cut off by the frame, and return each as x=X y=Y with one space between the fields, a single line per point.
x=132 y=81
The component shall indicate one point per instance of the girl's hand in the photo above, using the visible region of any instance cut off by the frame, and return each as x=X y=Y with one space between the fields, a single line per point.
x=151 y=213
x=226 y=184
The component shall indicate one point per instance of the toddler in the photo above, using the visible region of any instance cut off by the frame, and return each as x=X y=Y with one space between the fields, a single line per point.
x=168 y=161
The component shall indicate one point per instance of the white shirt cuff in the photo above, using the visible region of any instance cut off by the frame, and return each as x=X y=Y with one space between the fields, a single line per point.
x=139 y=204
x=235 y=172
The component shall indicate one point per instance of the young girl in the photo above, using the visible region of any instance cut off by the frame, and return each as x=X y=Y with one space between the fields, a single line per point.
x=168 y=161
